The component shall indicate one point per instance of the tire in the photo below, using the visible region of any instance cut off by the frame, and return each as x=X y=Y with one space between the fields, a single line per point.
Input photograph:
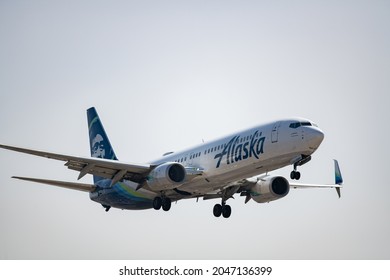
x=292 y=175
x=157 y=202
x=295 y=175
x=217 y=210
x=226 y=211
x=166 y=204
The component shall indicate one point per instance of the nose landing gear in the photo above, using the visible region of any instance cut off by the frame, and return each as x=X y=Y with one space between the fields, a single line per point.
x=301 y=160
x=295 y=175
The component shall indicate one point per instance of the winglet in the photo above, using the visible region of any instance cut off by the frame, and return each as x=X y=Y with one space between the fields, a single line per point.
x=337 y=173
x=338 y=178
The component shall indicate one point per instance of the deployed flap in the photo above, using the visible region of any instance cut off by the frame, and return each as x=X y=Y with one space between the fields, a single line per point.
x=68 y=185
x=96 y=166
x=229 y=190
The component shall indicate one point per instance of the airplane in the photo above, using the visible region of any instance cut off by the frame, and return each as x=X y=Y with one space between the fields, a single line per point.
x=235 y=164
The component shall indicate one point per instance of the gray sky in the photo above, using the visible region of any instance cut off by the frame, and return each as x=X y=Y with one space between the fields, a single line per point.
x=164 y=75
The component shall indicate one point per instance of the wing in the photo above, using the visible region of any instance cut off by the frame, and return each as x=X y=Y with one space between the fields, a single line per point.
x=337 y=185
x=243 y=186
x=229 y=190
x=110 y=169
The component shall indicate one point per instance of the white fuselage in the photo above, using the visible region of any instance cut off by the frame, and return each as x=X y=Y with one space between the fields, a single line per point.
x=247 y=153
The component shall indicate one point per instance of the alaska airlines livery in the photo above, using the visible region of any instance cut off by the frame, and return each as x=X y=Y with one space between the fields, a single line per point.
x=235 y=164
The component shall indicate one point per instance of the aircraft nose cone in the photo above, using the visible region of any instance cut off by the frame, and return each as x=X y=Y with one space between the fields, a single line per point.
x=314 y=138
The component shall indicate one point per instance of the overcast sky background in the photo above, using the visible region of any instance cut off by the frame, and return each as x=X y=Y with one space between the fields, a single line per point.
x=164 y=75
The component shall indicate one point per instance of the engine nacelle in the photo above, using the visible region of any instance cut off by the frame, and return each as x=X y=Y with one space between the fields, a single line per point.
x=166 y=176
x=269 y=189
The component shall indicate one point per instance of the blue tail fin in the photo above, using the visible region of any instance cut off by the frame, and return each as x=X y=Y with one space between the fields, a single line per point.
x=99 y=143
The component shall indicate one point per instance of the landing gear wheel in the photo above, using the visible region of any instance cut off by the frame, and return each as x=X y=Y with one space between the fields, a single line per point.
x=157 y=202
x=295 y=175
x=217 y=210
x=226 y=211
x=166 y=204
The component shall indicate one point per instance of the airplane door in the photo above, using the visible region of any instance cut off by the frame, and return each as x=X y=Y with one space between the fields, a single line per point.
x=275 y=132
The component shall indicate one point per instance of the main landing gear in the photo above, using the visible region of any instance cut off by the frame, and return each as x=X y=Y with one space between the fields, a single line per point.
x=224 y=210
x=163 y=202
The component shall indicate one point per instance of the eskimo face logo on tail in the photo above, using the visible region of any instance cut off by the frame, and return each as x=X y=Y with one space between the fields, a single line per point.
x=238 y=149
x=98 y=149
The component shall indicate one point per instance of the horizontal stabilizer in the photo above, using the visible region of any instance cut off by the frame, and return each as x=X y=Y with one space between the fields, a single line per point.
x=68 y=185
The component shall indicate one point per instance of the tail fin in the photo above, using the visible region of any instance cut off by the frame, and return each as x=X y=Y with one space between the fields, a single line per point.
x=99 y=143
x=338 y=178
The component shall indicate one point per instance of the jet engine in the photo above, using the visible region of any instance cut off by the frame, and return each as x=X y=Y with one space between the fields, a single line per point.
x=166 y=176
x=269 y=189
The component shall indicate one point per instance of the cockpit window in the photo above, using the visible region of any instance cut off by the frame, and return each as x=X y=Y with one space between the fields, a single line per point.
x=295 y=125
x=298 y=124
